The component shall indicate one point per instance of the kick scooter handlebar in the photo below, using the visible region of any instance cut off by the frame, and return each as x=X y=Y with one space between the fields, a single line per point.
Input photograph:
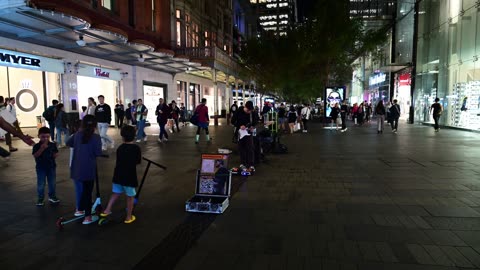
x=154 y=163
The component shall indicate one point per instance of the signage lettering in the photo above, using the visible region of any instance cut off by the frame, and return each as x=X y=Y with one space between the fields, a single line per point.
x=379 y=78
x=100 y=73
x=19 y=60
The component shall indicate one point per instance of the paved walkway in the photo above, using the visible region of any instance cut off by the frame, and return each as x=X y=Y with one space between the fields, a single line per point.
x=356 y=200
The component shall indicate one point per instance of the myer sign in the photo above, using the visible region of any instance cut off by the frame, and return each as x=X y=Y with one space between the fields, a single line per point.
x=377 y=78
x=28 y=61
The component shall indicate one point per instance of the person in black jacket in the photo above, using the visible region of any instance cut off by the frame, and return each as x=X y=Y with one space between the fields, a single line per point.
x=343 y=115
x=246 y=119
x=103 y=115
x=380 y=111
x=394 y=115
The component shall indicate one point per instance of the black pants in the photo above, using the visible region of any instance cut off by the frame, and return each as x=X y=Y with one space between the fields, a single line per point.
x=247 y=154
x=436 y=118
x=51 y=125
x=344 y=123
x=4 y=153
x=120 y=120
x=86 y=199
x=175 y=123
x=394 y=123
x=305 y=121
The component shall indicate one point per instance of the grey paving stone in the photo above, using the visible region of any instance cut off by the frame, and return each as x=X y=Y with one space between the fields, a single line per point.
x=369 y=251
x=445 y=238
x=438 y=255
x=420 y=254
x=385 y=252
x=472 y=238
x=452 y=211
x=471 y=255
x=456 y=256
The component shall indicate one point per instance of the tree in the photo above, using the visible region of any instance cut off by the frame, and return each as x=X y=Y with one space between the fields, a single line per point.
x=316 y=53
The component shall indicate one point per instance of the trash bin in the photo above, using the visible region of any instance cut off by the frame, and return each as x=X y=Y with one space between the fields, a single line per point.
x=39 y=122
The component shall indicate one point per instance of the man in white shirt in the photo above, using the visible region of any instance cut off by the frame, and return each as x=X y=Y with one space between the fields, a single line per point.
x=306 y=112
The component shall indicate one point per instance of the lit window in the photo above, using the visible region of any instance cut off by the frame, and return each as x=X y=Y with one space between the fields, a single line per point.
x=107 y=4
x=179 y=34
x=178 y=13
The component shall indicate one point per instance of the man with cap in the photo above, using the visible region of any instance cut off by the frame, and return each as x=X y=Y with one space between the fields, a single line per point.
x=246 y=121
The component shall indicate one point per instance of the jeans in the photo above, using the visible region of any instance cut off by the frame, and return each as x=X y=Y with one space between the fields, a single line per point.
x=305 y=122
x=86 y=199
x=247 y=154
x=59 y=134
x=51 y=125
x=381 y=122
x=436 y=118
x=103 y=128
x=394 y=123
x=163 y=132
x=141 y=130
x=50 y=175
x=78 y=192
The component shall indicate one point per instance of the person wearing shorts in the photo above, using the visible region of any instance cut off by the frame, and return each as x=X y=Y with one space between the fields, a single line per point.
x=125 y=173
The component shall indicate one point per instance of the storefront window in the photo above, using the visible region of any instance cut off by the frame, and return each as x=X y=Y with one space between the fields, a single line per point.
x=93 y=87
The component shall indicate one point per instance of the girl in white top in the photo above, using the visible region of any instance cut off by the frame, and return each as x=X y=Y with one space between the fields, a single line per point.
x=91 y=106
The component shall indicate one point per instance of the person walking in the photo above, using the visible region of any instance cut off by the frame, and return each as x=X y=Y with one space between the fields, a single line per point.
x=61 y=124
x=343 y=115
x=203 y=120
x=8 y=135
x=361 y=113
x=395 y=115
x=133 y=111
x=436 y=109
x=163 y=113
x=141 y=112
x=355 y=113
x=91 y=106
x=183 y=114
x=334 y=114
x=380 y=112
x=175 y=113
x=49 y=115
x=233 y=111
x=368 y=111
x=292 y=118
x=103 y=115
x=87 y=147
x=246 y=120
x=45 y=153
x=282 y=112
x=306 y=112
x=120 y=113
x=125 y=178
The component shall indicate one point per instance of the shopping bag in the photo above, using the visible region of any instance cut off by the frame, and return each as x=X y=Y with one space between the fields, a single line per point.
x=339 y=121
x=297 y=127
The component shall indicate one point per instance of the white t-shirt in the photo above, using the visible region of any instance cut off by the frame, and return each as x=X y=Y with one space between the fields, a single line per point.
x=13 y=110
x=306 y=111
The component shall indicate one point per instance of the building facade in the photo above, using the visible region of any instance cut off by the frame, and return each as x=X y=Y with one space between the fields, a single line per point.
x=275 y=16
x=125 y=50
x=447 y=62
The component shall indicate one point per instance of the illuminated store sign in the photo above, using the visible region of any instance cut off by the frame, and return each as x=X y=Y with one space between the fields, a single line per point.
x=377 y=78
x=28 y=61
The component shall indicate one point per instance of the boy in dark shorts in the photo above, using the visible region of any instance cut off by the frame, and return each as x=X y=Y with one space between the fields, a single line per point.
x=45 y=153
x=125 y=173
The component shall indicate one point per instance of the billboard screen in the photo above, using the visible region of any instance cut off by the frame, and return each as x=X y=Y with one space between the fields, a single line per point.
x=333 y=95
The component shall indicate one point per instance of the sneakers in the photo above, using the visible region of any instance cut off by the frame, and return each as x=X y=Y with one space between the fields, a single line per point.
x=53 y=199
x=40 y=202
x=13 y=149
x=242 y=167
x=159 y=140
x=145 y=139
x=251 y=169
x=79 y=213
x=104 y=148
x=130 y=220
x=112 y=145
x=90 y=221
x=138 y=141
x=165 y=140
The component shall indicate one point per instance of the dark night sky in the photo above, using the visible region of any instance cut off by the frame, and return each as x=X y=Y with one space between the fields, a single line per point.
x=304 y=7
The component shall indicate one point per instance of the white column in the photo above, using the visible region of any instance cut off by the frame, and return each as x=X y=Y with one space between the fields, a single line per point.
x=70 y=89
x=215 y=92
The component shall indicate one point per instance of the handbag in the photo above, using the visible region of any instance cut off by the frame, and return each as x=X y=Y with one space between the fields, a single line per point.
x=194 y=118
x=339 y=120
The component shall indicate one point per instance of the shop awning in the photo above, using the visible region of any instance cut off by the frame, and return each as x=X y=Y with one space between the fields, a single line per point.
x=64 y=31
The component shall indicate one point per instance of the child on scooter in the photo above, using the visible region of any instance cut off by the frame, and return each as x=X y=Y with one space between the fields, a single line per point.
x=125 y=173
x=45 y=152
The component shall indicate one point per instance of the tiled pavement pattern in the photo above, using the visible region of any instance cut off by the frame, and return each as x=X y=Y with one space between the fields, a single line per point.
x=337 y=201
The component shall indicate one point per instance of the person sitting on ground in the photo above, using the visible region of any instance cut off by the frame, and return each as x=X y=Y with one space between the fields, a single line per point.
x=125 y=180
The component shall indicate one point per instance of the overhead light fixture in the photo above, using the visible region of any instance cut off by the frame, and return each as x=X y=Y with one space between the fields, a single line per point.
x=80 y=42
x=141 y=59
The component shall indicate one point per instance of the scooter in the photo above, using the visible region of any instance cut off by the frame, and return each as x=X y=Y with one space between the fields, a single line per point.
x=96 y=207
x=105 y=220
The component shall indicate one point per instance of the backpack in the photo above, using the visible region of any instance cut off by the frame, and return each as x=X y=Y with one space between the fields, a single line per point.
x=49 y=114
